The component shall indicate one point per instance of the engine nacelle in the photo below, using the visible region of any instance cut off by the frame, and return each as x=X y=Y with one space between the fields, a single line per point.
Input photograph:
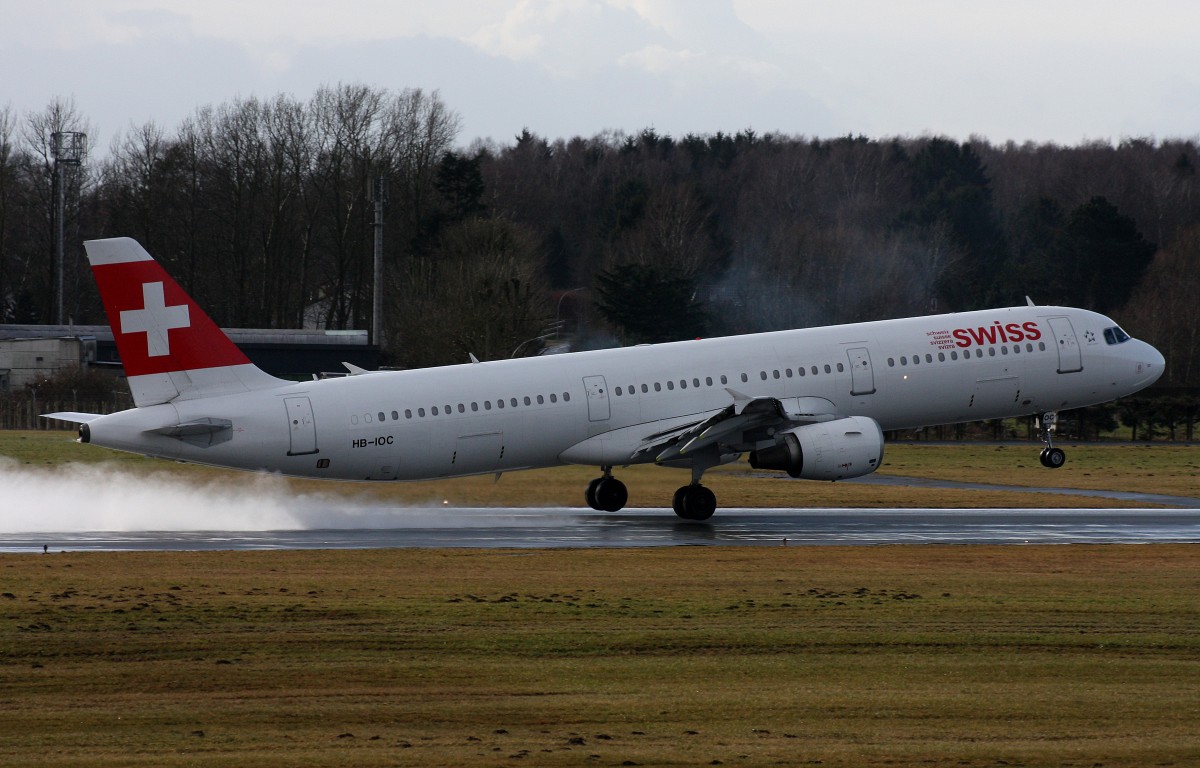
x=831 y=450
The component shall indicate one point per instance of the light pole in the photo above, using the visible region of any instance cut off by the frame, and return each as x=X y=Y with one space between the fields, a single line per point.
x=379 y=197
x=68 y=148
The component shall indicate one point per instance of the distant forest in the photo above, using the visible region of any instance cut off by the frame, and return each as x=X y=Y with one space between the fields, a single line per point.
x=262 y=209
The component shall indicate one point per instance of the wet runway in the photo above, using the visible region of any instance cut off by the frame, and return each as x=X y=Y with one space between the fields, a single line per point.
x=567 y=527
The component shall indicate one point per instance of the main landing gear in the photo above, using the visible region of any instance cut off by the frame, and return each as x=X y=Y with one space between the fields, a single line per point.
x=1051 y=457
x=606 y=493
x=691 y=502
x=694 y=502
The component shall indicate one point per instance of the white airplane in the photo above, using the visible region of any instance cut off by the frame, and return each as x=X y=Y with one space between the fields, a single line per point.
x=812 y=402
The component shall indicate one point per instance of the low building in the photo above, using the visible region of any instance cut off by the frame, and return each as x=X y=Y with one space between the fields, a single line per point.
x=32 y=352
x=24 y=361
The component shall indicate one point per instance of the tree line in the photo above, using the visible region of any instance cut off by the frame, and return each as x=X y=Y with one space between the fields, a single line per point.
x=262 y=209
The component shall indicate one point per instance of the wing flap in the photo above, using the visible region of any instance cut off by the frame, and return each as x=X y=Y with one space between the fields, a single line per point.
x=733 y=429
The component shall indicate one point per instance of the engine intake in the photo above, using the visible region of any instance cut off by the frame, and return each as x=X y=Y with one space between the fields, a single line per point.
x=831 y=450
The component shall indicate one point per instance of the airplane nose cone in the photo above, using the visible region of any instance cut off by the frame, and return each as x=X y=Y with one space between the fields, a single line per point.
x=1150 y=365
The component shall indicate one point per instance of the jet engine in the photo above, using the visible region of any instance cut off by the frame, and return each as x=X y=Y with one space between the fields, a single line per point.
x=831 y=450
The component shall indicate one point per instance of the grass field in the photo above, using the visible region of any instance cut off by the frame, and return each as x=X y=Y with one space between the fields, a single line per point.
x=837 y=656
x=833 y=656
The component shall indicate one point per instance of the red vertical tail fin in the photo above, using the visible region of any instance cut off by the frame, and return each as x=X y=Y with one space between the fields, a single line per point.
x=170 y=347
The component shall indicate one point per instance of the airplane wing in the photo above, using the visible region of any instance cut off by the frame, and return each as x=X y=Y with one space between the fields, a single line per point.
x=737 y=427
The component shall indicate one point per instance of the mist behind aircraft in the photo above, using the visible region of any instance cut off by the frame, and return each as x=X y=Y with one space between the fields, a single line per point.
x=102 y=497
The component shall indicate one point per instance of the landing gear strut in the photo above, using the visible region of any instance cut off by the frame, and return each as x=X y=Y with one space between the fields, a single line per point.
x=1051 y=457
x=606 y=493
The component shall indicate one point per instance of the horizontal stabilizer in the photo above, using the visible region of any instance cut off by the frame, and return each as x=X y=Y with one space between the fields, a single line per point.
x=72 y=416
x=202 y=433
x=205 y=426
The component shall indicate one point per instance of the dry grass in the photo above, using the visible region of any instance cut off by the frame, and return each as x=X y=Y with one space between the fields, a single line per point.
x=839 y=656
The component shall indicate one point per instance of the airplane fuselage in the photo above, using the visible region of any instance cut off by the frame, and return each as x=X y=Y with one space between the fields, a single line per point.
x=597 y=407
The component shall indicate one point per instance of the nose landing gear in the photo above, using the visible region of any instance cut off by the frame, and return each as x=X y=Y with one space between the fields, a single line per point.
x=1051 y=457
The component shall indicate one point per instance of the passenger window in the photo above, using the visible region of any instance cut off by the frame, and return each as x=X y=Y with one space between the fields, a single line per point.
x=1016 y=349
x=618 y=391
x=814 y=370
x=841 y=368
x=553 y=398
x=800 y=370
x=671 y=386
x=474 y=406
x=434 y=410
x=708 y=380
x=1004 y=350
x=916 y=359
x=421 y=412
x=462 y=408
x=683 y=383
x=527 y=400
x=500 y=402
x=979 y=353
x=954 y=355
x=775 y=374
x=487 y=405
x=991 y=351
x=903 y=360
x=541 y=400
x=724 y=380
x=367 y=417
x=928 y=358
x=395 y=416
x=788 y=372
x=745 y=378
x=1041 y=346
x=827 y=369
x=566 y=397
x=657 y=387
x=354 y=418
x=644 y=388
x=407 y=413
x=696 y=383
x=941 y=357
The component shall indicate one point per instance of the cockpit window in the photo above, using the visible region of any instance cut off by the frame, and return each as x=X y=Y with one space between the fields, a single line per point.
x=1115 y=335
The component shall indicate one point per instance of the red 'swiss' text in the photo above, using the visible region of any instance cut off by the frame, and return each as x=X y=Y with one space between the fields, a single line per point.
x=996 y=333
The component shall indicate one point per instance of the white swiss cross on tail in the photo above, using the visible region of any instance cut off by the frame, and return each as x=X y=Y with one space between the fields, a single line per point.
x=155 y=319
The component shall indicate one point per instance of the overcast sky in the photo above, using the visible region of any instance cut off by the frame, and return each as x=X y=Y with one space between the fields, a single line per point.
x=1065 y=71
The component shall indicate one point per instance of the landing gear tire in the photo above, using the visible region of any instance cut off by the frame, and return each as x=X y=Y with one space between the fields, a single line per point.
x=694 y=502
x=590 y=494
x=1053 y=457
x=610 y=494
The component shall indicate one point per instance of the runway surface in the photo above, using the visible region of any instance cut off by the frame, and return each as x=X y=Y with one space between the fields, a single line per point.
x=567 y=527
